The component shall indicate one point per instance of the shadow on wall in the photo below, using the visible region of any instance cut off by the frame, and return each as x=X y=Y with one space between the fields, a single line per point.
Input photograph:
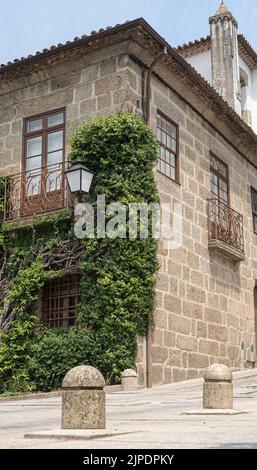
x=225 y=274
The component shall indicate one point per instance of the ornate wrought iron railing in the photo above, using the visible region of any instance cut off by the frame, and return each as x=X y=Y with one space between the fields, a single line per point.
x=36 y=191
x=225 y=224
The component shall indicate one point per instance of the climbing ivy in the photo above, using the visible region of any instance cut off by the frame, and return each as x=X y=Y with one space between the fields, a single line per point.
x=1 y=213
x=118 y=275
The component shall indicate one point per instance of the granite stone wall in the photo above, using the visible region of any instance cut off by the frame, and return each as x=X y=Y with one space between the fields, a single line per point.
x=204 y=301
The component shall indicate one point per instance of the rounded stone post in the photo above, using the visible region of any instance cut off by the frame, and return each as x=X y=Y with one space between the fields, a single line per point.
x=218 y=387
x=129 y=380
x=83 y=399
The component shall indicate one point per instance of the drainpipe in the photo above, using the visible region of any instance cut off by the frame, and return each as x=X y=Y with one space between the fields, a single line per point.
x=149 y=373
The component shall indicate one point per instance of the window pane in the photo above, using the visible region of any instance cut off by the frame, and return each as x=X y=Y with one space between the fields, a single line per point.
x=222 y=169
x=53 y=182
x=254 y=200
x=172 y=174
x=163 y=138
x=174 y=145
x=214 y=187
x=34 y=146
x=224 y=196
x=218 y=166
x=214 y=179
x=33 y=163
x=223 y=186
x=55 y=141
x=61 y=311
x=168 y=171
x=35 y=125
x=33 y=184
x=163 y=124
x=167 y=156
x=172 y=159
x=55 y=120
x=166 y=134
x=169 y=142
x=174 y=132
x=54 y=157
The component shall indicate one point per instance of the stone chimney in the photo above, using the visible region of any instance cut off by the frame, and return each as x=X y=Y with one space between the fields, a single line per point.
x=224 y=53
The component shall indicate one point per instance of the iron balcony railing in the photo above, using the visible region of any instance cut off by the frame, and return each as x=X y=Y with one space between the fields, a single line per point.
x=36 y=191
x=225 y=224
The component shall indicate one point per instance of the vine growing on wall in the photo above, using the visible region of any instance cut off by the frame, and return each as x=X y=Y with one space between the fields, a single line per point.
x=117 y=275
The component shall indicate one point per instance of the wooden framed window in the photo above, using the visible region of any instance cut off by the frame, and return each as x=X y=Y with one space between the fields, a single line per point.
x=254 y=209
x=60 y=300
x=219 y=179
x=168 y=139
x=43 y=160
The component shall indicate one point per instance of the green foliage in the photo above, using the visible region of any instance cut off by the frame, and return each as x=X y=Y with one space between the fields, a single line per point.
x=15 y=346
x=15 y=351
x=120 y=150
x=117 y=291
x=57 y=352
x=1 y=212
x=118 y=275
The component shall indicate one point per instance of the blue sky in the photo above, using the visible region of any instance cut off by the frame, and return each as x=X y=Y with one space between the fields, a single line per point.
x=30 y=25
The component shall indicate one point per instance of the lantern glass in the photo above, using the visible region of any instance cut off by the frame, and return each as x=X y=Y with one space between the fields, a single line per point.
x=79 y=178
x=86 y=180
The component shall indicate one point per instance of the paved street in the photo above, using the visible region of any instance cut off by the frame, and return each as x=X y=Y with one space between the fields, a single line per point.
x=152 y=419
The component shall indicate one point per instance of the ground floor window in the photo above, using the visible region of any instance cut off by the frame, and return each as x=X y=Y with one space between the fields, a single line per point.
x=60 y=298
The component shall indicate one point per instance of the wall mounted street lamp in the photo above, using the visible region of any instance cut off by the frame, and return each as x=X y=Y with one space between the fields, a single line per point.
x=79 y=179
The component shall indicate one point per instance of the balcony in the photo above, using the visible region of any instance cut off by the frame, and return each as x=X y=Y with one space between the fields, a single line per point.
x=35 y=192
x=226 y=233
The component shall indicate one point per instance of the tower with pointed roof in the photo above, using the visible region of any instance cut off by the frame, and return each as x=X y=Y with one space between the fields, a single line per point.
x=224 y=54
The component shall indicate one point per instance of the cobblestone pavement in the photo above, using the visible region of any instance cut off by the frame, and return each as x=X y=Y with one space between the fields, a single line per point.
x=152 y=419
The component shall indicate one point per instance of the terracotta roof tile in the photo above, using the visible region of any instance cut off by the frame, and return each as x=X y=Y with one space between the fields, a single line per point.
x=247 y=53
x=195 y=47
x=60 y=45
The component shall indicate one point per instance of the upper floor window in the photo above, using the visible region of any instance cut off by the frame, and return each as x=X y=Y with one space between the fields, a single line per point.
x=254 y=209
x=60 y=300
x=219 y=179
x=167 y=136
x=43 y=152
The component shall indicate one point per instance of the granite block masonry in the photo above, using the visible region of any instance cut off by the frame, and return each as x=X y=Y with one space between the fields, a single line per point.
x=204 y=299
x=129 y=380
x=83 y=400
x=218 y=387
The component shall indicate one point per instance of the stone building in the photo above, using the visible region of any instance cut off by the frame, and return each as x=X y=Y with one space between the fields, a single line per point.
x=207 y=162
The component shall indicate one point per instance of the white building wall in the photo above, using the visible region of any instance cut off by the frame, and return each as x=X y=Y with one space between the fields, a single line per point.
x=251 y=93
x=254 y=100
x=202 y=63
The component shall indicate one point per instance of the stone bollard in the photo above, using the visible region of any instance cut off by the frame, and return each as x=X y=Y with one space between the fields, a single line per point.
x=83 y=399
x=218 y=387
x=129 y=380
